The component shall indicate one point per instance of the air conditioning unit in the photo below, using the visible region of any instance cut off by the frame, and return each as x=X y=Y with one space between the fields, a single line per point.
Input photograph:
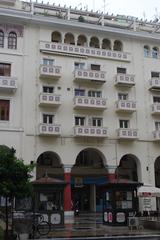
x=133 y=222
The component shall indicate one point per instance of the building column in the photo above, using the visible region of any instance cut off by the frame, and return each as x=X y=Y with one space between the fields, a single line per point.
x=111 y=173
x=67 y=191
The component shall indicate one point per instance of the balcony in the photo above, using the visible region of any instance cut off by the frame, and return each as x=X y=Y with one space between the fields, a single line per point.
x=49 y=129
x=127 y=133
x=85 y=131
x=156 y=135
x=52 y=72
x=66 y=49
x=125 y=106
x=154 y=84
x=10 y=2
x=127 y=80
x=49 y=99
x=155 y=108
x=90 y=103
x=90 y=75
x=8 y=83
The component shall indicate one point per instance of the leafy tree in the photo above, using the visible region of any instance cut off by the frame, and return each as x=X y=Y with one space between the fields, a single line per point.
x=14 y=178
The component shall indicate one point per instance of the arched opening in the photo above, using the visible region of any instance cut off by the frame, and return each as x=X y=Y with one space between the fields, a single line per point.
x=146 y=51
x=106 y=44
x=155 y=52
x=56 y=37
x=127 y=168
x=94 y=42
x=157 y=172
x=1 y=39
x=82 y=40
x=12 y=40
x=49 y=163
x=118 y=46
x=69 y=39
x=88 y=177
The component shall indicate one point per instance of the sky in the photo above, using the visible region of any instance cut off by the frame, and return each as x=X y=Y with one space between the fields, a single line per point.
x=145 y=9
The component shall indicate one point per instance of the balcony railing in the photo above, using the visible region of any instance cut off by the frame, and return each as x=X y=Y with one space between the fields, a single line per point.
x=49 y=129
x=125 y=106
x=90 y=103
x=125 y=79
x=49 y=99
x=156 y=135
x=127 y=133
x=90 y=75
x=85 y=131
x=53 y=72
x=155 y=108
x=8 y=83
x=84 y=51
x=154 y=83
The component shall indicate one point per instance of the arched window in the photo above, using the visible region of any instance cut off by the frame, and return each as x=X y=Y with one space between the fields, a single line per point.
x=12 y=40
x=146 y=51
x=155 y=52
x=94 y=42
x=118 y=46
x=69 y=39
x=82 y=40
x=56 y=37
x=106 y=44
x=1 y=39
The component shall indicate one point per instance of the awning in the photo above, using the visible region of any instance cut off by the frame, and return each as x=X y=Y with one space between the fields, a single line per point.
x=148 y=191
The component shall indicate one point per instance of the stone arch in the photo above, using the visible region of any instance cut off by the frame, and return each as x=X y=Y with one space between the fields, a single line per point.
x=69 y=38
x=118 y=46
x=106 y=44
x=94 y=42
x=128 y=168
x=157 y=171
x=56 y=37
x=49 y=163
x=82 y=40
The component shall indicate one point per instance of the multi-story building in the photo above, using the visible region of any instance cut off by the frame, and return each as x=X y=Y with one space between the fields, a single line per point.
x=79 y=95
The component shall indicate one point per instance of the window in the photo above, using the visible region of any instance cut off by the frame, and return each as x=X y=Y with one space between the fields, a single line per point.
x=4 y=110
x=79 y=92
x=95 y=67
x=155 y=52
x=121 y=70
x=146 y=51
x=93 y=93
x=1 y=39
x=157 y=125
x=124 y=123
x=48 y=62
x=97 y=122
x=12 y=40
x=79 y=121
x=155 y=74
x=48 y=118
x=79 y=65
x=123 y=199
x=122 y=96
x=5 y=69
x=156 y=99
x=47 y=89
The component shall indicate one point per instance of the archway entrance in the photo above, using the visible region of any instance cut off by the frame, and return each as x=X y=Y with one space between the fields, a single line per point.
x=88 y=176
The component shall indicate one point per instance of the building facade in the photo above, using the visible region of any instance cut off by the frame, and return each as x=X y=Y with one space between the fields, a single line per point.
x=79 y=96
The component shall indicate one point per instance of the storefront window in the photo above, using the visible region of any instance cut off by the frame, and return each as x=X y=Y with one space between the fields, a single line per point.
x=108 y=200
x=49 y=202
x=123 y=199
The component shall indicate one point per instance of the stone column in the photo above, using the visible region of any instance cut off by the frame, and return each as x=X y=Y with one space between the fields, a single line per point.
x=67 y=191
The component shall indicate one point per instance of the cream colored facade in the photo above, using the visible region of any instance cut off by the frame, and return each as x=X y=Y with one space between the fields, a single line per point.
x=25 y=130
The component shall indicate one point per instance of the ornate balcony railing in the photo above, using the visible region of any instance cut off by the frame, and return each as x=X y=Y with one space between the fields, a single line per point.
x=84 y=51
x=53 y=72
x=125 y=106
x=155 y=108
x=90 y=75
x=154 y=83
x=90 y=102
x=8 y=83
x=49 y=129
x=85 y=131
x=127 y=133
x=49 y=99
x=125 y=79
x=156 y=135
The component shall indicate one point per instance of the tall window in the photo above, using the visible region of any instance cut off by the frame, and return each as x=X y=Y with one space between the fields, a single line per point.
x=47 y=89
x=48 y=118
x=157 y=125
x=155 y=52
x=156 y=99
x=97 y=122
x=12 y=40
x=4 y=110
x=146 y=51
x=124 y=123
x=1 y=39
x=48 y=62
x=93 y=93
x=122 y=96
x=79 y=121
x=5 y=69
x=79 y=92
